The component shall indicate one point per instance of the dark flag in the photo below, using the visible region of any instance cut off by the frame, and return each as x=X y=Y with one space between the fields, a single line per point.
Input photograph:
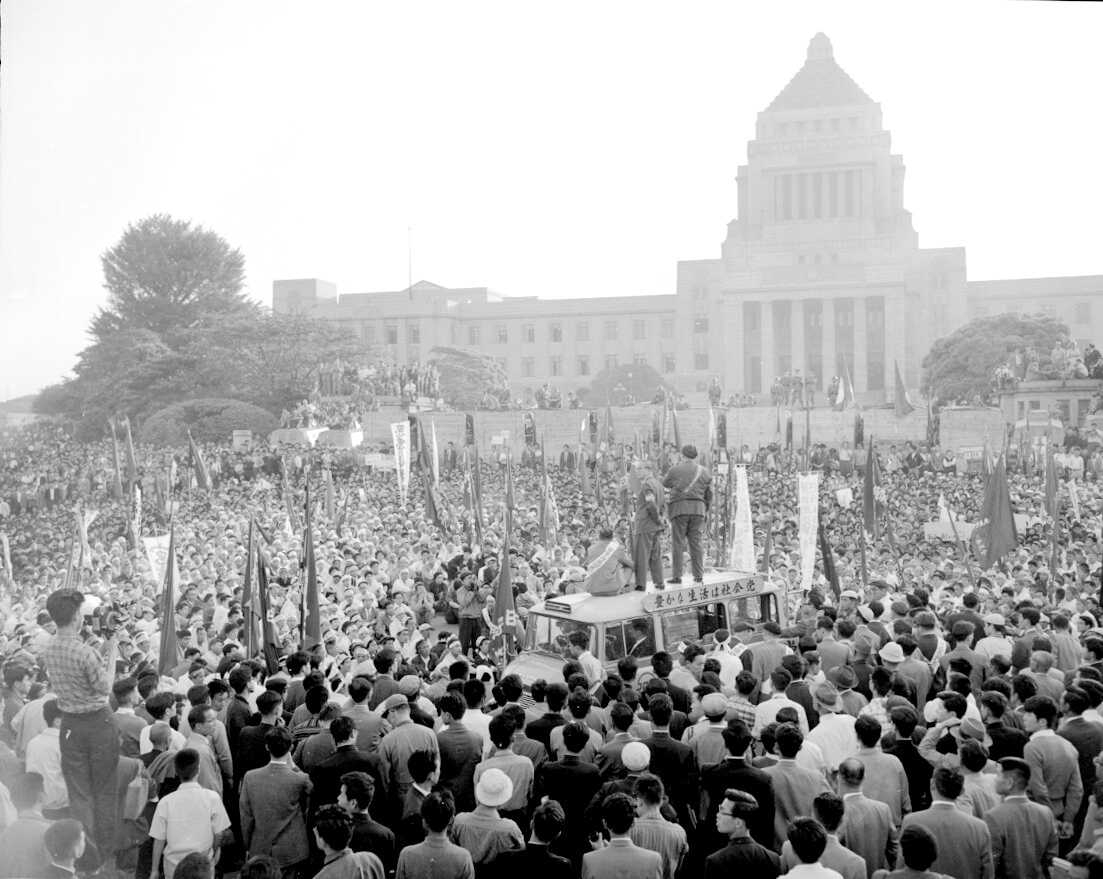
x=505 y=608
x=859 y=430
x=869 y=494
x=1052 y=509
x=610 y=437
x=431 y=505
x=722 y=430
x=268 y=635
x=511 y=497
x=311 y=625
x=656 y=428
x=117 y=487
x=829 y=572
x=863 y=566
x=202 y=477
x=170 y=656
x=528 y=425
x=995 y=536
x=903 y=404
x=248 y=609
x=469 y=429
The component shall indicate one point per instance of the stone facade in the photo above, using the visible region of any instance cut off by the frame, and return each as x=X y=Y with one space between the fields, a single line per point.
x=820 y=271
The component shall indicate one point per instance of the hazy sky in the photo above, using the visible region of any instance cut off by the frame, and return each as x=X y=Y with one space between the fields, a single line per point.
x=552 y=149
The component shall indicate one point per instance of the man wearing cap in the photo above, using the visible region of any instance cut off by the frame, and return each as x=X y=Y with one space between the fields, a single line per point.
x=690 y=494
x=742 y=856
x=835 y=732
x=395 y=748
x=1024 y=839
x=707 y=744
x=483 y=832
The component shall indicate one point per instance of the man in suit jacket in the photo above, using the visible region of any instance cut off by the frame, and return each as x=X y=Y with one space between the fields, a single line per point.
x=1054 y=764
x=370 y=725
x=608 y=758
x=460 y=751
x=673 y=762
x=794 y=786
x=326 y=775
x=620 y=857
x=690 y=487
x=964 y=842
x=540 y=729
x=734 y=772
x=867 y=828
x=829 y=812
x=238 y=713
x=742 y=856
x=536 y=860
x=251 y=751
x=1024 y=839
x=274 y=803
x=572 y=784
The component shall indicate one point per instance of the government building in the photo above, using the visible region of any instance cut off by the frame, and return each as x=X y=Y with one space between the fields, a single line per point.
x=821 y=271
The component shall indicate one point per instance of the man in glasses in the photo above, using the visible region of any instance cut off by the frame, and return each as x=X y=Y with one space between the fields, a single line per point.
x=742 y=855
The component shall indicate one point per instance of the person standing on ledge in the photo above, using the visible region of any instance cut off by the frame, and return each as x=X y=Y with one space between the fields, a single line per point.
x=690 y=487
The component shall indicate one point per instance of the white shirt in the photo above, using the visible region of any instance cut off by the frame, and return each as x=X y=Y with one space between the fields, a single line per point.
x=188 y=820
x=730 y=665
x=766 y=713
x=479 y=723
x=177 y=741
x=44 y=757
x=592 y=667
x=810 y=756
x=836 y=737
x=813 y=871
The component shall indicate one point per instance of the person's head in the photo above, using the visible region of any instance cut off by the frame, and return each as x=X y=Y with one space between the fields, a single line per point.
x=1039 y=713
x=947 y=783
x=332 y=828
x=64 y=839
x=735 y=811
x=51 y=713
x=578 y=643
x=621 y=716
x=575 y=736
x=194 y=865
x=186 y=764
x=1013 y=777
x=201 y=720
x=548 y=822
x=661 y=708
x=556 y=697
x=357 y=791
x=579 y=704
x=868 y=730
x=745 y=683
x=618 y=812
x=437 y=810
x=261 y=867
x=918 y=847
x=277 y=741
x=343 y=729
x=27 y=791
x=270 y=704
x=662 y=664
x=474 y=694
x=973 y=755
x=161 y=706
x=808 y=839
x=828 y=810
x=452 y=707
x=904 y=720
x=64 y=607
x=737 y=738
x=125 y=691
x=852 y=772
x=788 y=740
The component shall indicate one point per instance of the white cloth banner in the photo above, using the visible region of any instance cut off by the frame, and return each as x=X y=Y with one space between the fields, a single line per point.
x=157 y=551
x=808 y=496
x=844 y=497
x=400 y=432
x=742 y=548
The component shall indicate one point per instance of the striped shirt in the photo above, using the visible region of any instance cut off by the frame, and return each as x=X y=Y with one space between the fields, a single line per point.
x=78 y=674
x=665 y=837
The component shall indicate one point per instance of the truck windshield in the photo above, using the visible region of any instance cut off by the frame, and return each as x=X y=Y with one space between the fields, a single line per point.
x=549 y=634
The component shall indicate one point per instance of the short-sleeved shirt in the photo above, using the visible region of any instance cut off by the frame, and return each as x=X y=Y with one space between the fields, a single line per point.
x=78 y=674
x=188 y=820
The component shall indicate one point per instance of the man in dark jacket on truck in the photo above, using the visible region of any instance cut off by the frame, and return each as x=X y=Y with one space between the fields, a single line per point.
x=690 y=487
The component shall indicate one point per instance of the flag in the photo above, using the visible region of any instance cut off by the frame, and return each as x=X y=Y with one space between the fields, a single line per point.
x=289 y=501
x=656 y=428
x=593 y=429
x=1074 y=500
x=131 y=458
x=6 y=548
x=863 y=566
x=808 y=507
x=310 y=621
x=331 y=496
x=85 y=518
x=741 y=557
x=170 y=656
x=777 y=421
x=788 y=428
x=549 y=514
x=859 y=430
x=202 y=477
x=248 y=609
x=117 y=486
x=505 y=608
x=710 y=436
x=674 y=420
x=839 y=403
x=870 y=491
x=268 y=635
x=903 y=404
x=610 y=437
x=510 y=496
x=469 y=429
x=1051 y=485
x=829 y=572
x=135 y=518
x=995 y=536
x=722 y=431
x=436 y=453
x=432 y=509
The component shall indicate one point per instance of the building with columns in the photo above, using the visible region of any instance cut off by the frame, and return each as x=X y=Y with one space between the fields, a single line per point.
x=820 y=272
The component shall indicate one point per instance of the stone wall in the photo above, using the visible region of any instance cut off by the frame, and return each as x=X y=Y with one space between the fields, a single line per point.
x=753 y=426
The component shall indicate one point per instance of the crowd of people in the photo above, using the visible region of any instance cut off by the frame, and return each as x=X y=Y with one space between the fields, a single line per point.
x=930 y=718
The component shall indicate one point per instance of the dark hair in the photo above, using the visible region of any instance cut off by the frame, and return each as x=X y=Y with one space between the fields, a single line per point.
x=948 y=782
x=808 y=839
x=438 y=809
x=316 y=699
x=51 y=711
x=512 y=688
x=359 y=689
x=619 y=813
x=973 y=755
x=26 y=788
x=852 y=771
x=829 y=810
x=737 y=738
x=451 y=703
x=1077 y=700
x=198 y=714
x=548 y=821
x=1043 y=708
x=122 y=688
x=662 y=664
x=268 y=700
x=194 y=865
x=745 y=682
x=501 y=728
x=905 y=719
x=621 y=716
x=198 y=695
x=918 y=847
x=240 y=678
x=661 y=708
x=261 y=867
x=649 y=788
x=342 y=729
x=575 y=736
x=421 y=764
x=474 y=693
x=556 y=697
x=159 y=703
x=334 y=825
x=789 y=739
x=186 y=764
x=955 y=703
x=278 y=741
x=63 y=605
x=359 y=788
x=61 y=837
x=868 y=730
x=780 y=679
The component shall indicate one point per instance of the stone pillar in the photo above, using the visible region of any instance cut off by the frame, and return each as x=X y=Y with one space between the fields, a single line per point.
x=766 y=348
x=730 y=364
x=796 y=336
x=830 y=355
x=861 y=351
x=895 y=343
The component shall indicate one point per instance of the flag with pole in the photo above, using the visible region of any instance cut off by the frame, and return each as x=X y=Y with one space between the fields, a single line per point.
x=268 y=635
x=995 y=536
x=311 y=620
x=248 y=609
x=432 y=507
x=131 y=458
x=830 y=573
x=510 y=496
x=202 y=476
x=5 y=550
x=170 y=656
x=549 y=514
x=135 y=518
x=117 y=486
x=870 y=492
x=331 y=496
x=505 y=607
x=903 y=404
x=610 y=437
x=435 y=452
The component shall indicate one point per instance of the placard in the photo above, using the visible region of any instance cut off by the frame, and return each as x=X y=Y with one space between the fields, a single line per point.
x=242 y=440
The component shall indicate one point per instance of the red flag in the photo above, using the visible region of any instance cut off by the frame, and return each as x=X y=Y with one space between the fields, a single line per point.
x=170 y=656
x=505 y=608
x=202 y=477
x=829 y=572
x=995 y=537
x=268 y=635
x=869 y=493
x=248 y=610
x=311 y=626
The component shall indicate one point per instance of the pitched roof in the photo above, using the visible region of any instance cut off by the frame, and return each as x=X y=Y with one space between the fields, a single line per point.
x=821 y=82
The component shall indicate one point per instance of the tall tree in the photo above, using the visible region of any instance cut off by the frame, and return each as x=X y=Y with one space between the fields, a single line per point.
x=166 y=274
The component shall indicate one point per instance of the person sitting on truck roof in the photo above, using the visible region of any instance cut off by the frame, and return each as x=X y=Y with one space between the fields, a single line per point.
x=608 y=567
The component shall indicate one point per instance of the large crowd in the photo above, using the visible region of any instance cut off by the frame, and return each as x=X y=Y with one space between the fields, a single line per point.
x=930 y=718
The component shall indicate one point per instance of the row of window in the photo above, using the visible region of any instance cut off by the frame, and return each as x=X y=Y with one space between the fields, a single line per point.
x=610 y=332
x=1081 y=311
x=818 y=195
x=584 y=364
x=818 y=126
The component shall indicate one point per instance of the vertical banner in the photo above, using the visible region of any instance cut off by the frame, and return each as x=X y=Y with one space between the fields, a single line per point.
x=808 y=496
x=436 y=454
x=400 y=433
x=6 y=547
x=157 y=551
x=742 y=546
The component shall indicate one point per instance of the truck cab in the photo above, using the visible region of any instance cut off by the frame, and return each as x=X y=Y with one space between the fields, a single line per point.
x=640 y=624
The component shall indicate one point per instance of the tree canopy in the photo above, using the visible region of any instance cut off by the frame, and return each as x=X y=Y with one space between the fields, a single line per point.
x=613 y=383
x=209 y=420
x=466 y=375
x=960 y=366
